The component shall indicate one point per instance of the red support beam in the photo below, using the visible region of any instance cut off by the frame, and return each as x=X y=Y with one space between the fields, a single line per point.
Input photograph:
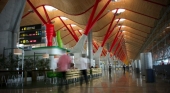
x=105 y=51
x=46 y=14
x=95 y=45
x=91 y=17
x=108 y=31
x=99 y=14
x=119 y=50
x=119 y=54
x=69 y=30
x=116 y=52
x=122 y=56
x=114 y=41
x=41 y=18
x=95 y=20
x=74 y=32
x=118 y=46
x=79 y=32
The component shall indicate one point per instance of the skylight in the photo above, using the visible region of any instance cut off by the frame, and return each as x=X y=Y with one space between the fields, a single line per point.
x=64 y=18
x=121 y=26
x=119 y=11
x=80 y=30
x=122 y=19
x=73 y=25
x=50 y=8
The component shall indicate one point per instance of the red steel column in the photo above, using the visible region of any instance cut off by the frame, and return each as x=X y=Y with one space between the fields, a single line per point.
x=108 y=31
x=69 y=30
x=97 y=17
x=91 y=17
x=114 y=41
x=49 y=32
x=41 y=18
x=92 y=22
x=48 y=19
x=118 y=45
x=74 y=32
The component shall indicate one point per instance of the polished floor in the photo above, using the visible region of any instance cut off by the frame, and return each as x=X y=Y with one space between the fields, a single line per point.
x=116 y=82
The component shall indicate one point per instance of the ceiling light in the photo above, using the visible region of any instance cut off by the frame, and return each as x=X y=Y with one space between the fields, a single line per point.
x=121 y=26
x=64 y=18
x=50 y=8
x=122 y=19
x=73 y=25
x=114 y=0
x=119 y=11
x=81 y=30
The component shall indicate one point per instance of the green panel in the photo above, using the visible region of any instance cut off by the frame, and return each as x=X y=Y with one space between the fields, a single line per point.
x=59 y=41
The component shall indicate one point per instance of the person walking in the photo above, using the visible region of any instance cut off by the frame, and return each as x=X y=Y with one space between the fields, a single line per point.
x=83 y=66
x=64 y=63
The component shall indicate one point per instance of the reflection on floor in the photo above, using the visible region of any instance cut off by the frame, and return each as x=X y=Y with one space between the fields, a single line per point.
x=116 y=82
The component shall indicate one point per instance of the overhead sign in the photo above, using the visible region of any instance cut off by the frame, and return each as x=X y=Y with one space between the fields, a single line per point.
x=32 y=34
x=31 y=27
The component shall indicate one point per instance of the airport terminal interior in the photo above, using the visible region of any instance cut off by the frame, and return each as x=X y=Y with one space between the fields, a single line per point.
x=125 y=42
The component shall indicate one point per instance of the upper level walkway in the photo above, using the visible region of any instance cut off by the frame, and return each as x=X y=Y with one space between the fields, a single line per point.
x=116 y=82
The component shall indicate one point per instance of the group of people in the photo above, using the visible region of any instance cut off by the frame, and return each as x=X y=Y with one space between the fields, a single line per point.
x=65 y=63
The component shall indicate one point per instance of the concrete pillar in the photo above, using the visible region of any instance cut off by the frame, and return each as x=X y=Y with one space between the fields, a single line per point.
x=147 y=67
x=90 y=49
x=133 y=65
x=143 y=72
x=10 y=19
x=139 y=65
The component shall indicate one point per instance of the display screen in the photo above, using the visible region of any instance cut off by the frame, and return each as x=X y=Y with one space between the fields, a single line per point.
x=31 y=27
x=36 y=40
x=32 y=34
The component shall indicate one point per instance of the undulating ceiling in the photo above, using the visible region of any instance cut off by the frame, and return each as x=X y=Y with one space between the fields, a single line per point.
x=133 y=21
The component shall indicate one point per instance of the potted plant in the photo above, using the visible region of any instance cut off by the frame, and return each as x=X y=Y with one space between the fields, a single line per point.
x=12 y=62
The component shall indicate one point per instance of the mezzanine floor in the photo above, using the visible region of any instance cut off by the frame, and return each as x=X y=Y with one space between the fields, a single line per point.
x=117 y=82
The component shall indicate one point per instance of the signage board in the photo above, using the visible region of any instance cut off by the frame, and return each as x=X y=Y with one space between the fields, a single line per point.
x=32 y=34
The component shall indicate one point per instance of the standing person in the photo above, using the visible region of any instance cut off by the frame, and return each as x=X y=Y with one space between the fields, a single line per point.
x=124 y=68
x=63 y=65
x=110 y=68
x=83 y=68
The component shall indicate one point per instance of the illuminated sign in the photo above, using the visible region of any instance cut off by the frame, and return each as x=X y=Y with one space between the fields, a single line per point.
x=31 y=27
x=32 y=34
x=36 y=40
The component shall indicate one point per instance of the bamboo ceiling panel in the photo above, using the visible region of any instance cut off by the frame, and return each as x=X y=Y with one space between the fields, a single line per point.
x=140 y=19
